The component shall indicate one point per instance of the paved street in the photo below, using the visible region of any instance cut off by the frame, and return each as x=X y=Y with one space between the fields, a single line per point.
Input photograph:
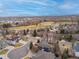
x=19 y=52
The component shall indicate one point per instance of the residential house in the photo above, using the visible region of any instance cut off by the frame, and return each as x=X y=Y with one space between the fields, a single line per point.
x=64 y=45
x=13 y=40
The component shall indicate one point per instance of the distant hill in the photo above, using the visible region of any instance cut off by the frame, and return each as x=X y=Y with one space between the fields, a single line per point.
x=48 y=18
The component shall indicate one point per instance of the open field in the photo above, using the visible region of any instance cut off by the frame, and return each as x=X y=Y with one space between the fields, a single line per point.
x=40 y=25
x=32 y=27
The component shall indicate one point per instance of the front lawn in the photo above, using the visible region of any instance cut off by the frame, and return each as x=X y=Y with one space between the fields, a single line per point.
x=24 y=38
x=27 y=58
x=18 y=45
x=2 y=52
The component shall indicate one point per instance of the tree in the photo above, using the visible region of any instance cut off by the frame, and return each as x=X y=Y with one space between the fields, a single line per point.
x=67 y=37
x=27 y=30
x=7 y=32
x=1 y=46
x=62 y=31
x=44 y=20
x=6 y=25
x=34 y=33
x=24 y=32
x=38 y=41
x=31 y=45
x=47 y=29
x=70 y=38
x=65 y=54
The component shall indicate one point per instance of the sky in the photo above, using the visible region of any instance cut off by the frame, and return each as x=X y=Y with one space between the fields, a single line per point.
x=39 y=7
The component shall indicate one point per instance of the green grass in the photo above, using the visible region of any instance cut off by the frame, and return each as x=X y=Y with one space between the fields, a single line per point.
x=18 y=45
x=24 y=38
x=2 y=52
x=33 y=27
x=26 y=58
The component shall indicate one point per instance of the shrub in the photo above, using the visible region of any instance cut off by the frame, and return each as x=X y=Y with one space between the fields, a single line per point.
x=31 y=45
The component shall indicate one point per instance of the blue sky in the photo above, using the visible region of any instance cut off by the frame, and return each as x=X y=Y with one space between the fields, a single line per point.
x=38 y=7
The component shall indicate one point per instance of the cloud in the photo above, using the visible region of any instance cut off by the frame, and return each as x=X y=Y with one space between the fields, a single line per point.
x=68 y=6
x=38 y=7
x=32 y=1
x=38 y=2
x=2 y=8
x=30 y=7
